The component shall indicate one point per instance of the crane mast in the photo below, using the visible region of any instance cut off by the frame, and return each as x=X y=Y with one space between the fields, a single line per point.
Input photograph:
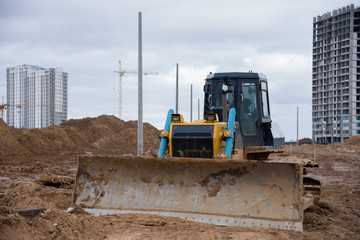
x=121 y=73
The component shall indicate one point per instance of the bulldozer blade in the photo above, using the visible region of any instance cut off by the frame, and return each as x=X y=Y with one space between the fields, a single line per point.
x=267 y=194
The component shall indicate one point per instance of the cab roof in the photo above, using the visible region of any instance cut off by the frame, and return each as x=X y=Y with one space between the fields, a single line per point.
x=244 y=75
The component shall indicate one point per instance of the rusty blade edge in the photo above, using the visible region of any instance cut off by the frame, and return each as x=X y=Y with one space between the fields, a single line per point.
x=209 y=219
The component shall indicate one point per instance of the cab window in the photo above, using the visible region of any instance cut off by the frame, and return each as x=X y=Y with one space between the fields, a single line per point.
x=207 y=99
x=225 y=88
x=249 y=110
x=265 y=100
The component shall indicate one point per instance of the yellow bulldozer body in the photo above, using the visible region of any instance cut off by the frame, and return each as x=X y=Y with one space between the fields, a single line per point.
x=215 y=171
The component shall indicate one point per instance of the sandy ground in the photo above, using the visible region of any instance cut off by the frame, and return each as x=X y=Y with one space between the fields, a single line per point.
x=335 y=215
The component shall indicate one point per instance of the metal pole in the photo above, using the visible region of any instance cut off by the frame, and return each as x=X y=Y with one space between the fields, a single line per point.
x=341 y=120
x=140 y=96
x=191 y=103
x=313 y=134
x=313 y=141
x=198 y=108
x=177 y=90
x=297 y=126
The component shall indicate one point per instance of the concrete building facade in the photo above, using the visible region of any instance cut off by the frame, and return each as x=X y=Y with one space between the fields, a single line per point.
x=336 y=75
x=36 y=96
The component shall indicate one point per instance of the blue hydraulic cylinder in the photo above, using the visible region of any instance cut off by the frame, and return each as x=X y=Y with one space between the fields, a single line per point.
x=164 y=140
x=230 y=127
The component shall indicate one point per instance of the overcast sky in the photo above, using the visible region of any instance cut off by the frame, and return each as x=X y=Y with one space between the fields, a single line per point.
x=88 y=38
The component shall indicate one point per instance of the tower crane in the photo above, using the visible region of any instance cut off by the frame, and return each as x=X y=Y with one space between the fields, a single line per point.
x=121 y=73
x=2 y=107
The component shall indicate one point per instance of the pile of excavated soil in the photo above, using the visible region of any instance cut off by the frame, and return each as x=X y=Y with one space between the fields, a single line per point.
x=9 y=146
x=305 y=140
x=351 y=144
x=355 y=140
x=100 y=135
x=53 y=138
x=113 y=135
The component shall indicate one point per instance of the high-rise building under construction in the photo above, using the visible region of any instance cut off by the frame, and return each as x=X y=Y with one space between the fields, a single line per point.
x=36 y=96
x=336 y=75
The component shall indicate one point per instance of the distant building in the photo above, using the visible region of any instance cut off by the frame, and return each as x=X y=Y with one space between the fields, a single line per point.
x=336 y=74
x=36 y=97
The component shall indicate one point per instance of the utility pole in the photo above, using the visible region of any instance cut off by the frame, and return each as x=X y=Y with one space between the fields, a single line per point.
x=177 y=90
x=297 y=126
x=198 y=108
x=140 y=96
x=313 y=133
x=191 y=103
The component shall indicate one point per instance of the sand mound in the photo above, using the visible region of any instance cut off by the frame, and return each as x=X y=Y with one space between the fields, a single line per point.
x=305 y=140
x=99 y=135
x=305 y=146
x=109 y=134
x=8 y=144
x=355 y=140
x=53 y=138
x=113 y=123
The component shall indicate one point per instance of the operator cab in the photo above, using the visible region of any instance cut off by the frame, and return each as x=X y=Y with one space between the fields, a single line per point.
x=247 y=92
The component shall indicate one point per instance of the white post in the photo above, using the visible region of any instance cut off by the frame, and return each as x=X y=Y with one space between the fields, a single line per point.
x=191 y=103
x=198 y=108
x=297 y=126
x=177 y=90
x=140 y=96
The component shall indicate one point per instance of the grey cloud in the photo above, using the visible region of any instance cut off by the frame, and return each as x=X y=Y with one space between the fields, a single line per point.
x=87 y=38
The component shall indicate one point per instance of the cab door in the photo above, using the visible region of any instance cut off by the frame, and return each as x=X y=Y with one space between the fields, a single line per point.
x=250 y=116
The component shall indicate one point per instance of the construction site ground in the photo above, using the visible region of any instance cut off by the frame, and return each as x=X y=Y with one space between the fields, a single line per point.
x=27 y=155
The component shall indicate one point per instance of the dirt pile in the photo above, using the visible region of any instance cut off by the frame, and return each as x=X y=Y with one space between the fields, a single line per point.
x=109 y=134
x=351 y=144
x=305 y=140
x=53 y=138
x=355 y=141
x=100 y=135
x=9 y=146
x=51 y=224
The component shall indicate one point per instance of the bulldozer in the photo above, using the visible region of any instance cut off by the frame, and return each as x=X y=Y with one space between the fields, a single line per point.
x=216 y=170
